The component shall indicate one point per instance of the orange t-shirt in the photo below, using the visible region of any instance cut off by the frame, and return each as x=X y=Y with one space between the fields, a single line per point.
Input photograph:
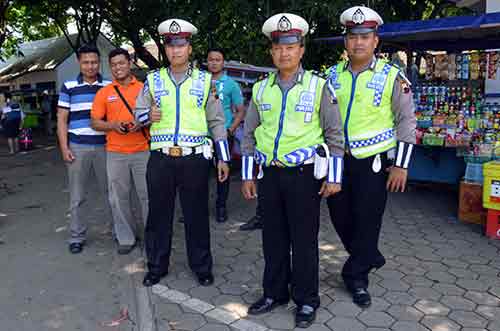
x=109 y=106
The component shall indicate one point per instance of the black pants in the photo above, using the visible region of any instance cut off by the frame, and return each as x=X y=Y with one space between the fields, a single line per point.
x=356 y=213
x=190 y=175
x=291 y=222
x=223 y=188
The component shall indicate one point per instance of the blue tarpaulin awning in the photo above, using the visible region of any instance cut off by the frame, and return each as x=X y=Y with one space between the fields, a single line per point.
x=451 y=34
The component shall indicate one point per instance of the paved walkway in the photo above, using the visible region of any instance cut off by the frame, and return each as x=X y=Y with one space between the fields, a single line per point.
x=440 y=275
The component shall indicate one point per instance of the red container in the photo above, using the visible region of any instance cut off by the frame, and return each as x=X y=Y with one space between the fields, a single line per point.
x=493 y=224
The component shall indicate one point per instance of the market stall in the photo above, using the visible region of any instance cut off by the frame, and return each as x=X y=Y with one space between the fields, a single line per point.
x=458 y=117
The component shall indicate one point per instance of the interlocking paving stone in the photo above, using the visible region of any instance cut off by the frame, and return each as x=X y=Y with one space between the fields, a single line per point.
x=399 y=298
x=425 y=293
x=441 y=277
x=438 y=323
x=429 y=307
x=405 y=313
x=468 y=319
x=458 y=303
x=482 y=298
x=345 y=324
x=448 y=289
x=375 y=318
x=472 y=284
x=344 y=308
x=214 y=327
x=488 y=312
x=408 y=326
x=438 y=271
x=245 y=325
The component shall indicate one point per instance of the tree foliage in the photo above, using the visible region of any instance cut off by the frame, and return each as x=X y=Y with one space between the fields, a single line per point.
x=234 y=25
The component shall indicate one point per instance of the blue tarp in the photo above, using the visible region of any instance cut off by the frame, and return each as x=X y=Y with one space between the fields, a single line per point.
x=450 y=33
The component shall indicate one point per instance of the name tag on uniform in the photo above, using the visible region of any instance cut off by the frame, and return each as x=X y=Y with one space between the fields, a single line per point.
x=196 y=92
x=162 y=93
x=306 y=105
x=264 y=106
x=112 y=98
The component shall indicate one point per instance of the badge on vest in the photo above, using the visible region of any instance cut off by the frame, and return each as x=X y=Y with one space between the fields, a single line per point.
x=306 y=105
x=377 y=82
x=264 y=106
x=197 y=88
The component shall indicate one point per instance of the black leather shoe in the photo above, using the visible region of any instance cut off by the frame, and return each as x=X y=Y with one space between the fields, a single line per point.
x=361 y=297
x=221 y=214
x=264 y=305
x=254 y=223
x=152 y=278
x=205 y=279
x=304 y=316
x=125 y=249
x=76 y=248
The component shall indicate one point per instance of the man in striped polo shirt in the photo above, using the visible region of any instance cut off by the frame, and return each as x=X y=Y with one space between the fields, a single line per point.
x=82 y=147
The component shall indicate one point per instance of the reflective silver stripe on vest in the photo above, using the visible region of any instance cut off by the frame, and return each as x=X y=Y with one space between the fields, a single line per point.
x=261 y=91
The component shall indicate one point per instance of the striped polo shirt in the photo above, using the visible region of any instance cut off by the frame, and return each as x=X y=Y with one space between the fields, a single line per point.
x=77 y=97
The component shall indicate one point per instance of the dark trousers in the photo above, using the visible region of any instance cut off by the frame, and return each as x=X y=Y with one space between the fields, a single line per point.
x=188 y=174
x=223 y=188
x=356 y=213
x=291 y=222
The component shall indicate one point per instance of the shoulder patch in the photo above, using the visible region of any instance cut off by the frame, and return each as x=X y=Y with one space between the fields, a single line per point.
x=263 y=76
x=320 y=74
x=403 y=78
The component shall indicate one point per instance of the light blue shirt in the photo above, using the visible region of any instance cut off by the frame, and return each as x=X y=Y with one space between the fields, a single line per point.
x=229 y=93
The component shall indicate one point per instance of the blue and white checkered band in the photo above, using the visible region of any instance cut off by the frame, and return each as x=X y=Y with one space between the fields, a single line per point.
x=378 y=84
x=300 y=155
x=198 y=88
x=182 y=138
x=331 y=82
x=265 y=106
x=259 y=157
x=157 y=88
x=386 y=135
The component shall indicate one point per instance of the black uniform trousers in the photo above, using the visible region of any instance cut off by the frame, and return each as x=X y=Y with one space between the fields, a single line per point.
x=190 y=175
x=291 y=222
x=356 y=213
x=223 y=187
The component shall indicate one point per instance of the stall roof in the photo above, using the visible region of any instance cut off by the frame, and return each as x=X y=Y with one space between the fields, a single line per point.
x=451 y=34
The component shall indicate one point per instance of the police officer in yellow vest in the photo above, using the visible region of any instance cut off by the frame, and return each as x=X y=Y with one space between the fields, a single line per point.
x=291 y=127
x=179 y=103
x=377 y=110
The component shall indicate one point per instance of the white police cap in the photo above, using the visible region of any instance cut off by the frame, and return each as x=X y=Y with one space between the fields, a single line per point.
x=359 y=19
x=285 y=28
x=176 y=31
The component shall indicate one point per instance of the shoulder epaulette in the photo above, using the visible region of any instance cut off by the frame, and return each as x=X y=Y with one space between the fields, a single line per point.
x=403 y=77
x=320 y=74
x=263 y=76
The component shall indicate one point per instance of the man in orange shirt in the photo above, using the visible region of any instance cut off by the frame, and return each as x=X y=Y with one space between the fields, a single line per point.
x=126 y=145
